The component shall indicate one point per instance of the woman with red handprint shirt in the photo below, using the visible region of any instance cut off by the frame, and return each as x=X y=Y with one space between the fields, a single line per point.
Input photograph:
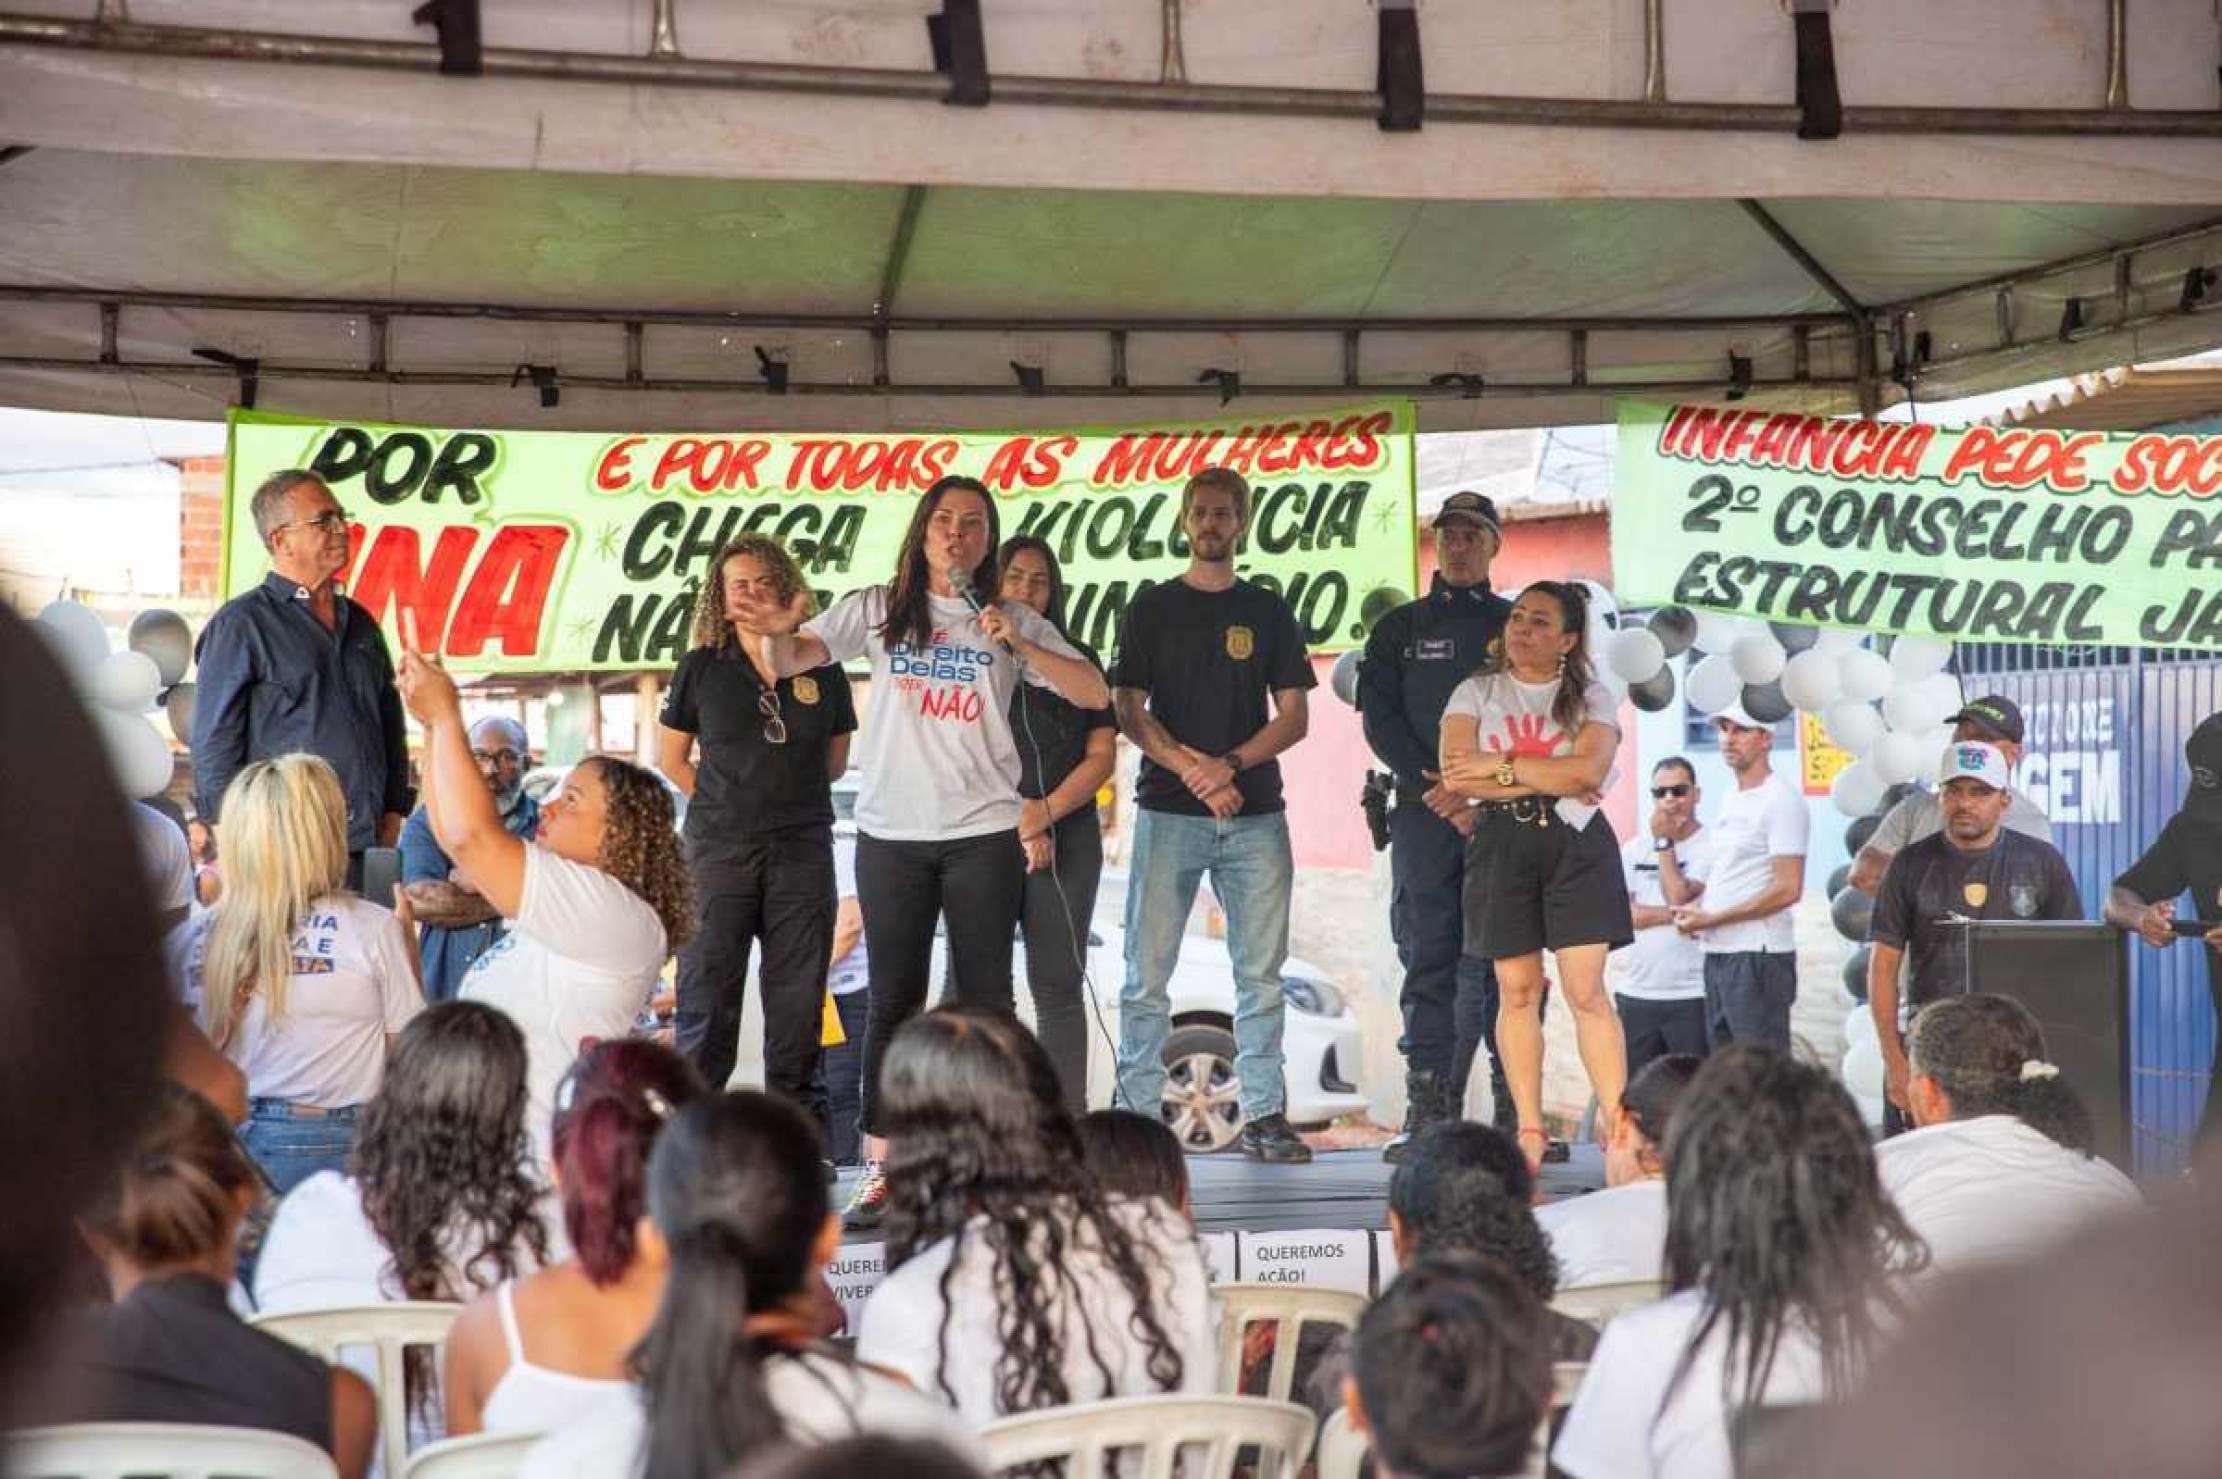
x=1530 y=739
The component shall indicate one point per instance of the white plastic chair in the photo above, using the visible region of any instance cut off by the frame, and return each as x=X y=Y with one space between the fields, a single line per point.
x=161 y=1451
x=1197 y=1437
x=1598 y=1303
x=1342 y=1448
x=1288 y=1308
x=389 y=1329
x=480 y=1456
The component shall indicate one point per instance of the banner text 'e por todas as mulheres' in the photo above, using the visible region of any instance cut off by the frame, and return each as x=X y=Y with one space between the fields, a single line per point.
x=536 y=551
x=1999 y=534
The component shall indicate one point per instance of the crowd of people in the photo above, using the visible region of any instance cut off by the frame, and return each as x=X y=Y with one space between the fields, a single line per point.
x=449 y=1099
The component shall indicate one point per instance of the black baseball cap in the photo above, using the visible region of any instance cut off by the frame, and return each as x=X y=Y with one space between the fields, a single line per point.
x=1469 y=508
x=1998 y=717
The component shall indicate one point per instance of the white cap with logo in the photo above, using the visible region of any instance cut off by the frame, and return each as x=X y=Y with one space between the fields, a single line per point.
x=1972 y=760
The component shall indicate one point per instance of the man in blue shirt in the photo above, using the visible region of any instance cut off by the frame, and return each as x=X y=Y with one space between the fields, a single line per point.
x=294 y=666
x=458 y=923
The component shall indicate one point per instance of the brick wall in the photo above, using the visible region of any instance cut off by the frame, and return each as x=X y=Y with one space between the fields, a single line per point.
x=200 y=525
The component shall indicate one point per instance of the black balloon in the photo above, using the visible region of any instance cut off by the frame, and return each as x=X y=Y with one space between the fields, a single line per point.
x=1654 y=693
x=163 y=636
x=1764 y=702
x=1838 y=879
x=1851 y=909
x=1675 y=627
x=1855 y=973
x=1794 y=638
x=1379 y=602
x=1856 y=835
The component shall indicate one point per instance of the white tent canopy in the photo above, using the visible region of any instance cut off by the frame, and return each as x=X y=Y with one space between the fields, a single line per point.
x=649 y=213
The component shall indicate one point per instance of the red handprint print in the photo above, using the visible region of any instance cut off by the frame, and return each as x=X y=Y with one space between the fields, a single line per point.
x=1523 y=735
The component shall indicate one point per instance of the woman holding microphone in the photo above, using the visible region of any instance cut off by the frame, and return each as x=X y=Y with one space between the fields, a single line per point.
x=938 y=812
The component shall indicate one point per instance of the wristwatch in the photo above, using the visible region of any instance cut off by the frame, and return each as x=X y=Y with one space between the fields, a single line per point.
x=1662 y=844
x=1233 y=760
x=1505 y=776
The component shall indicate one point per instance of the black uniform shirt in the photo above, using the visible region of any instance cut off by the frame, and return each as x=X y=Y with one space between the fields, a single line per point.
x=1207 y=659
x=1415 y=657
x=1051 y=734
x=747 y=788
x=2016 y=877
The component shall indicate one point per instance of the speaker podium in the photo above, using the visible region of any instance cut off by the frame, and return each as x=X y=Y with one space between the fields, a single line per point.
x=2073 y=976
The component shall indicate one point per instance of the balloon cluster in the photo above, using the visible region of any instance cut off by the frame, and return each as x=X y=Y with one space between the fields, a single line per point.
x=121 y=689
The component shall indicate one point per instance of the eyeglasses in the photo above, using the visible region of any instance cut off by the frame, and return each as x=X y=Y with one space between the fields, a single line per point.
x=497 y=757
x=775 y=728
x=1661 y=793
x=331 y=521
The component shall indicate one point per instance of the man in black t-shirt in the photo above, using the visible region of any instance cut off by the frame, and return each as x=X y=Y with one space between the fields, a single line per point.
x=2186 y=855
x=1197 y=659
x=1973 y=869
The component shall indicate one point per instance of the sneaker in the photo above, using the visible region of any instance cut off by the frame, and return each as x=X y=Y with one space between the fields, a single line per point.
x=1425 y=1107
x=868 y=1203
x=1270 y=1138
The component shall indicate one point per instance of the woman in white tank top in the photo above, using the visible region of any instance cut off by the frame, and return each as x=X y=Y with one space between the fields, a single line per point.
x=539 y=1351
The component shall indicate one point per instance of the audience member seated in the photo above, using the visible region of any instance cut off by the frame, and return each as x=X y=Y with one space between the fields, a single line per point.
x=1013 y=1282
x=551 y=1347
x=1465 y=1188
x=595 y=906
x=1134 y=1155
x=740 y=1229
x=1616 y=1236
x=299 y=982
x=170 y=1349
x=1450 y=1371
x=912 y=1458
x=1784 y=1255
x=438 y=1201
x=2001 y=1165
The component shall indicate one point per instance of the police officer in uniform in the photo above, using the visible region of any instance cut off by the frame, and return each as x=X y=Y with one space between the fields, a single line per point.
x=1415 y=656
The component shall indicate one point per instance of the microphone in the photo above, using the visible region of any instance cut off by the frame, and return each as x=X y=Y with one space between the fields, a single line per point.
x=965 y=593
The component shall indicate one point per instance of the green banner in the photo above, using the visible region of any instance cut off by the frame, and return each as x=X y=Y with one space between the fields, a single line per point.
x=2000 y=534
x=534 y=551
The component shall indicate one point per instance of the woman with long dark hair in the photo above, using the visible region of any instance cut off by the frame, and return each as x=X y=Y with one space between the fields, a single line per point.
x=1065 y=754
x=732 y=1365
x=549 y=1348
x=2000 y=1164
x=756 y=753
x=1784 y=1258
x=1013 y=1282
x=1531 y=738
x=938 y=815
x=439 y=1200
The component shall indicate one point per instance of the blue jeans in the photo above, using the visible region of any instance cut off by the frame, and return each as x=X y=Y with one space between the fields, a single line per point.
x=290 y=1150
x=1252 y=872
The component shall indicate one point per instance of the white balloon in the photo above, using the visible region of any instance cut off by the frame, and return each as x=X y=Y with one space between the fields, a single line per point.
x=1863 y=1070
x=1866 y=674
x=1944 y=693
x=1857 y=790
x=77 y=637
x=1758 y=658
x=1853 y=726
x=1634 y=653
x=1910 y=708
x=1811 y=680
x=1716 y=632
x=1613 y=684
x=1913 y=658
x=1713 y=684
x=126 y=682
x=1933 y=742
x=1602 y=606
x=1896 y=758
x=1859 y=1025
x=1840 y=639
x=138 y=756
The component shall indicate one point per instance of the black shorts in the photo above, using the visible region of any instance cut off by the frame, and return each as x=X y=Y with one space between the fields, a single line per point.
x=1531 y=888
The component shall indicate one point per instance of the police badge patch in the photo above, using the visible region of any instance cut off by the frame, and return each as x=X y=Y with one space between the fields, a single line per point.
x=1975 y=892
x=1241 y=642
x=2023 y=896
x=806 y=689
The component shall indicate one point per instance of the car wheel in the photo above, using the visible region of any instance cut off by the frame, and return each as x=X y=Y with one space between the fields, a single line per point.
x=1202 y=1103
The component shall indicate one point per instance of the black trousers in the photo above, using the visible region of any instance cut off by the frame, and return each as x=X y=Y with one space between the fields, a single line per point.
x=1656 y=1028
x=1449 y=1000
x=975 y=884
x=1059 y=905
x=775 y=895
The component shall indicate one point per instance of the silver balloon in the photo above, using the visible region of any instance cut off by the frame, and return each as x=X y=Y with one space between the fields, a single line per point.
x=1344 y=679
x=1654 y=693
x=1793 y=637
x=1675 y=627
x=178 y=704
x=163 y=636
x=1765 y=702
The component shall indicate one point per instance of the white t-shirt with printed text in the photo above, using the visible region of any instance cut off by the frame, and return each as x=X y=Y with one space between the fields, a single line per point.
x=1663 y=964
x=1514 y=718
x=354 y=984
x=578 y=963
x=937 y=753
x=1756 y=825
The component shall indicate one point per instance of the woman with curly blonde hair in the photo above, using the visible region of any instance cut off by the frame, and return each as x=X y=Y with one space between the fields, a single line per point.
x=756 y=754
x=596 y=902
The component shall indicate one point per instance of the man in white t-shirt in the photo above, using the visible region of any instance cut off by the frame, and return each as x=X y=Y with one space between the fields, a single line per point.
x=168 y=862
x=1660 y=986
x=1743 y=923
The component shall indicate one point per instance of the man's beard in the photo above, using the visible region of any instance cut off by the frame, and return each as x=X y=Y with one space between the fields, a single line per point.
x=506 y=797
x=1214 y=550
